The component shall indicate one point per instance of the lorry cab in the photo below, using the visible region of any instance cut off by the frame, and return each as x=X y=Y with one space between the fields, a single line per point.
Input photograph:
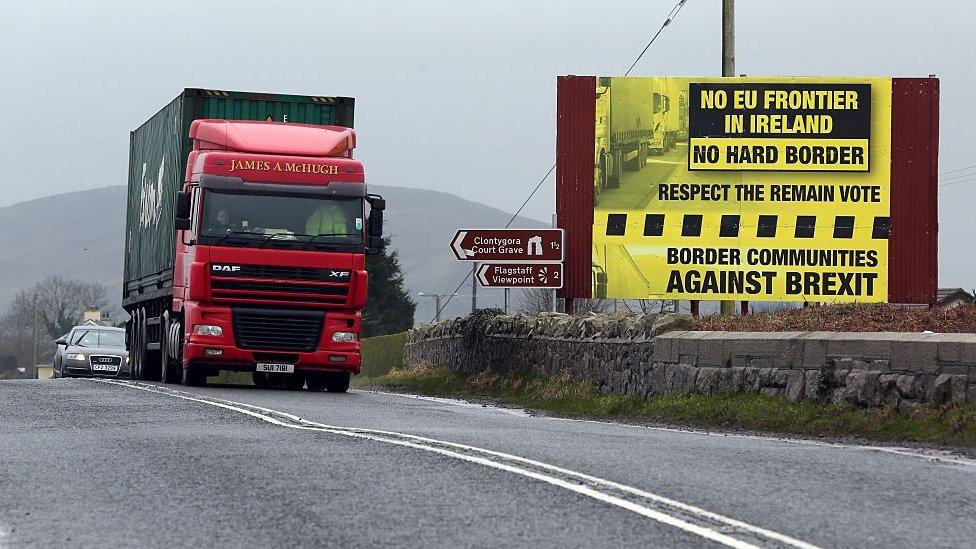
x=271 y=244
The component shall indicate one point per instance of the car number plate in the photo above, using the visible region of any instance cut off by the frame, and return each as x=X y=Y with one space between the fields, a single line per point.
x=105 y=368
x=275 y=368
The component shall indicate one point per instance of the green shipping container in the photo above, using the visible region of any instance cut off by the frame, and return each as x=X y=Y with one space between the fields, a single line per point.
x=157 y=164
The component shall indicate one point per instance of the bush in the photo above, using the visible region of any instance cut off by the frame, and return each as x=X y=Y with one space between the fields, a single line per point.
x=381 y=354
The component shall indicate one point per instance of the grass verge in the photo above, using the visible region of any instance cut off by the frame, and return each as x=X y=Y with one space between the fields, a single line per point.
x=381 y=354
x=567 y=396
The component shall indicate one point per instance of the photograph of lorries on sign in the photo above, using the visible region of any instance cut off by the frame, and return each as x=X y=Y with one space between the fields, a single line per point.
x=752 y=188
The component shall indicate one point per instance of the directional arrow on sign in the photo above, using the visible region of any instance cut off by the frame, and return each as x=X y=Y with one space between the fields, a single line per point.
x=459 y=251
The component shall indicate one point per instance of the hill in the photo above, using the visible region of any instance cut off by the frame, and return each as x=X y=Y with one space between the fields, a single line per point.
x=81 y=234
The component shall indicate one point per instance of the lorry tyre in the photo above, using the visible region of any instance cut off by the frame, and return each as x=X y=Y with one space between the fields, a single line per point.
x=138 y=344
x=295 y=382
x=170 y=367
x=615 y=168
x=336 y=382
x=193 y=376
x=263 y=380
x=315 y=381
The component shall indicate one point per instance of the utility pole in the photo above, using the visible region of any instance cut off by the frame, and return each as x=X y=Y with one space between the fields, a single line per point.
x=728 y=69
x=506 y=300
x=728 y=37
x=437 y=302
x=34 y=332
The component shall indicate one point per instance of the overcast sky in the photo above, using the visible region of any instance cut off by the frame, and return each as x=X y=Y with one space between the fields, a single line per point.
x=456 y=96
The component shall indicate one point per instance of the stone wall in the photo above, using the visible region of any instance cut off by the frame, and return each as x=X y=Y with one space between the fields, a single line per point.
x=651 y=355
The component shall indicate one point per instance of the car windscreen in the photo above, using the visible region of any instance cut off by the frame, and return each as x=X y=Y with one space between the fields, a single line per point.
x=99 y=338
x=242 y=219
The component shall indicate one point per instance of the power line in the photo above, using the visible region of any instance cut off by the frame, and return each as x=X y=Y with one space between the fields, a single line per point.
x=667 y=21
x=958 y=170
x=970 y=180
x=957 y=176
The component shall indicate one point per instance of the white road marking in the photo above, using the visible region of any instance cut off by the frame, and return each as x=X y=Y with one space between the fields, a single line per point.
x=691 y=519
x=932 y=456
x=452 y=401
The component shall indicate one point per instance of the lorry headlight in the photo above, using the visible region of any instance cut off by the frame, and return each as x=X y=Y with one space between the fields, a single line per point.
x=208 y=330
x=75 y=356
x=344 y=337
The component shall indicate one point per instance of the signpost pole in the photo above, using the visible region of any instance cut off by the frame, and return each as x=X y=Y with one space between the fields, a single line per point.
x=554 y=299
x=728 y=69
x=437 y=303
x=474 y=287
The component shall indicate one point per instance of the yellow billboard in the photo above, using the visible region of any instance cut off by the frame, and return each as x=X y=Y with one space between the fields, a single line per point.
x=752 y=188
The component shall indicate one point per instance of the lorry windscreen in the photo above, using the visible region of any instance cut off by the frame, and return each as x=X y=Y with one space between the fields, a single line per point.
x=243 y=219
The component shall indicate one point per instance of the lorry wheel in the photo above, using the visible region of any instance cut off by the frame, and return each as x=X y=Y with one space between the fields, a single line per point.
x=170 y=367
x=315 y=382
x=295 y=382
x=138 y=344
x=613 y=181
x=262 y=380
x=336 y=382
x=193 y=376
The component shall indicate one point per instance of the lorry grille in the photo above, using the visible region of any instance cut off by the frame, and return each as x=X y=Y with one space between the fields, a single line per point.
x=290 y=273
x=277 y=328
x=270 y=284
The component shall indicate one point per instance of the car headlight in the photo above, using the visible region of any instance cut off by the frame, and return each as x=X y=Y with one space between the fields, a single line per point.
x=344 y=337
x=75 y=356
x=128 y=359
x=208 y=330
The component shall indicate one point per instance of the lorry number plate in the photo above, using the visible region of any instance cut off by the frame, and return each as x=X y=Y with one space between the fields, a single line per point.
x=275 y=367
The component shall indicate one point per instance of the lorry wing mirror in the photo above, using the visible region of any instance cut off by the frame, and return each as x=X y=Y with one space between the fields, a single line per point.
x=376 y=207
x=182 y=211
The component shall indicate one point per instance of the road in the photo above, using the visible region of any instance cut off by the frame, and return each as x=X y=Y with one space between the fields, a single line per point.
x=89 y=463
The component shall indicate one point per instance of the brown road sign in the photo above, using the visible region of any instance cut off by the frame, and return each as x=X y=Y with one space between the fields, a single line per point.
x=508 y=245
x=521 y=275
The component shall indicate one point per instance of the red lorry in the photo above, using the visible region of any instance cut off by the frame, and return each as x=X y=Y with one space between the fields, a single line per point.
x=254 y=259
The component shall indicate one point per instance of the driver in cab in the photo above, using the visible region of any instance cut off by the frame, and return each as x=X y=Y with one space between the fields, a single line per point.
x=221 y=225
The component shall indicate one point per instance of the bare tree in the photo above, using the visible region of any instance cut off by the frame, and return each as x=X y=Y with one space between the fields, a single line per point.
x=535 y=301
x=57 y=303
x=657 y=306
x=540 y=300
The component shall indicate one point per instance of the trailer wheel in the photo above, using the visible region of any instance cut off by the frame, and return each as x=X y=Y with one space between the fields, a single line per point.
x=138 y=344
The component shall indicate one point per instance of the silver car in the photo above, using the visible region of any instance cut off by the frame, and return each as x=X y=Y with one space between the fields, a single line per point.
x=89 y=351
